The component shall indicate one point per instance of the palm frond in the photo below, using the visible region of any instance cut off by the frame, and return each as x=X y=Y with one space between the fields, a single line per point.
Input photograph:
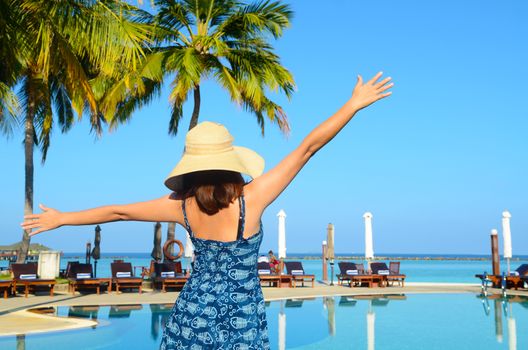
x=63 y=107
x=176 y=116
x=9 y=110
x=257 y=19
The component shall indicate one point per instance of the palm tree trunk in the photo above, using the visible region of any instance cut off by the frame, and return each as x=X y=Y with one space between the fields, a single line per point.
x=194 y=121
x=196 y=110
x=28 y=155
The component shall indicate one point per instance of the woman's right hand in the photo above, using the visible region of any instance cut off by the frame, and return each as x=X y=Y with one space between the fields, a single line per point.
x=49 y=219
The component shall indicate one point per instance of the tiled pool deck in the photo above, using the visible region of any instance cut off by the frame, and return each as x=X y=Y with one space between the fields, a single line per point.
x=14 y=319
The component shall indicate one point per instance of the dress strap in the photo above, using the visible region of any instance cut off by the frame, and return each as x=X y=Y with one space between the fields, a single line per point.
x=241 y=218
x=187 y=225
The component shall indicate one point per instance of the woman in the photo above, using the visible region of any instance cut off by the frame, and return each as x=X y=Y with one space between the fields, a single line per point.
x=274 y=262
x=221 y=305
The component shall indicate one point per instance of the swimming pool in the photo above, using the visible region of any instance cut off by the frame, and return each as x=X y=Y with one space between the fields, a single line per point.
x=433 y=321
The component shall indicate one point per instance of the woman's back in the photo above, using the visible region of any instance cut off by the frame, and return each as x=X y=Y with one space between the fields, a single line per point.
x=221 y=306
x=223 y=226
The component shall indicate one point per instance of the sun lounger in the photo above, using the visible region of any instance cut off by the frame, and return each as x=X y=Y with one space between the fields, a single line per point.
x=169 y=274
x=80 y=276
x=347 y=301
x=390 y=274
x=514 y=280
x=294 y=303
x=266 y=275
x=355 y=274
x=65 y=273
x=395 y=275
x=396 y=296
x=26 y=275
x=348 y=272
x=6 y=286
x=380 y=301
x=123 y=311
x=296 y=271
x=524 y=279
x=123 y=276
x=84 y=311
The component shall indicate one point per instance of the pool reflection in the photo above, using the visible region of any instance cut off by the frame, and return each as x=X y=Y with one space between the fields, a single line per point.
x=442 y=321
x=123 y=311
x=330 y=303
x=159 y=316
x=89 y=312
x=503 y=307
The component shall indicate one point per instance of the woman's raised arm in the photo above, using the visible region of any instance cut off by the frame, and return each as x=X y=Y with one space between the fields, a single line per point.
x=164 y=209
x=268 y=186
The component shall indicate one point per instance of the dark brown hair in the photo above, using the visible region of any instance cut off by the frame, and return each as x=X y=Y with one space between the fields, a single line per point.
x=213 y=189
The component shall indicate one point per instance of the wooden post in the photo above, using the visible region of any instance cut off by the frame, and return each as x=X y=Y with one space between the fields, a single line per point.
x=325 y=267
x=495 y=253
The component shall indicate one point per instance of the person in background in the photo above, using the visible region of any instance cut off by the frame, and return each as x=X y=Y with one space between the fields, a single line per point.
x=274 y=262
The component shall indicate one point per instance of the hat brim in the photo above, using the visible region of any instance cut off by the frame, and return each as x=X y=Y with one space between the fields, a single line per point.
x=239 y=159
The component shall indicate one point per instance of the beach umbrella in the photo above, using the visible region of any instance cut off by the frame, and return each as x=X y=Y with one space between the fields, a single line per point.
x=21 y=342
x=171 y=235
x=330 y=255
x=371 y=318
x=282 y=234
x=369 y=249
x=330 y=309
x=325 y=268
x=88 y=252
x=498 y=320
x=512 y=332
x=506 y=236
x=282 y=327
x=189 y=247
x=156 y=250
x=96 y=251
x=330 y=250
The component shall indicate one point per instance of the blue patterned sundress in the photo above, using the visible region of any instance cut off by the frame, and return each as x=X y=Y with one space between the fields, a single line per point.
x=221 y=306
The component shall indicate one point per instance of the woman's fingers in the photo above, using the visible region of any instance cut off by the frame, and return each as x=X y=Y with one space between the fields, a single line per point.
x=375 y=78
x=383 y=82
x=359 y=80
x=385 y=87
x=43 y=208
x=384 y=95
x=31 y=225
x=31 y=216
x=36 y=232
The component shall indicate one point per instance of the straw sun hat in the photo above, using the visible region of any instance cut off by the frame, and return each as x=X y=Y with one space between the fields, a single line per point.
x=209 y=146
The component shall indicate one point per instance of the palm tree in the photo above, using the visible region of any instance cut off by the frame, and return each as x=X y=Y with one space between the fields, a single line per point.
x=225 y=40
x=65 y=44
x=228 y=41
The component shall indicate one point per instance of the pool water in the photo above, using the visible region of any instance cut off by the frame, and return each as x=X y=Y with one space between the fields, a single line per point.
x=427 y=321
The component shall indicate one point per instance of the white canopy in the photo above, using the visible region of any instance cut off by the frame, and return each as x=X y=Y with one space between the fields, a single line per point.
x=330 y=245
x=369 y=246
x=282 y=234
x=506 y=234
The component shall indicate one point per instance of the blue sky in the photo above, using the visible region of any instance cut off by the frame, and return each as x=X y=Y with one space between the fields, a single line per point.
x=436 y=163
